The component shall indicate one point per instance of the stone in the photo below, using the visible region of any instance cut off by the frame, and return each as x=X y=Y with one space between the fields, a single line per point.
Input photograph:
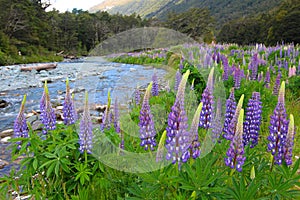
x=6 y=133
x=59 y=108
x=3 y=103
x=100 y=108
x=3 y=163
x=5 y=140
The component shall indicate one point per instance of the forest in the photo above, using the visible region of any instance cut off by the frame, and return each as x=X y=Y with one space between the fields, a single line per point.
x=30 y=34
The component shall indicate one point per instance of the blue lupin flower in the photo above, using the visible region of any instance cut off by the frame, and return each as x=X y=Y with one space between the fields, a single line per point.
x=69 y=111
x=207 y=100
x=86 y=132
x=288 y=148
x=48 y=116
x=230 y=110
x=20 y=125
x=253 y=120
x=177 y=134
x=232 y=125
x=277 y=84
x=267 y=79
x=154 y=89
x=146 y=124
x=235 y=158
x=278 y=128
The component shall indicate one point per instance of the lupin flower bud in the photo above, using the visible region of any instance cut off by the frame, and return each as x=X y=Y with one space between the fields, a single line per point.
x=177 y=134
x=230 y=110
x=48 y=116
x=288 y=149
x=154 y=89
x=217 y=124
x=86 y=132
x=194 y=146
x=235 y=158
x=20 y=125
x=253 y=120
x=146 y=124
x=278 y=128
x=207 y=100
x=69 y=111
x=177 y=80
x=160 y=148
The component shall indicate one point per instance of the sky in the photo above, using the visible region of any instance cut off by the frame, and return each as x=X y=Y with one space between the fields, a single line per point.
x=64 y=5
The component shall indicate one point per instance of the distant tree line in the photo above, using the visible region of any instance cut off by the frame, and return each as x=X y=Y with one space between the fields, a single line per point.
x=30 y=34
x=281 y=24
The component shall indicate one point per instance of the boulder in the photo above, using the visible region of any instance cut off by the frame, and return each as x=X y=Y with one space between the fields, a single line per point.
x=6 y=133
x=3 y=103
x=3 y=163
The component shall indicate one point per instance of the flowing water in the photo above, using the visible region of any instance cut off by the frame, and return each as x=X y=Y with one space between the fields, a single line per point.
x=93 y=74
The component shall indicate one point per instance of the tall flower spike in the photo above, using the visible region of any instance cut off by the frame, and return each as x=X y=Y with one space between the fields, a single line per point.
x=177 y=134
x=177 y=80
x=86 y=132
x=194 y=144
x=154 y=89
x=253 y=120
x=20 y=125
x=235 y=158
x=137 y=96
x=267 y=79
x=217 y=123
x=277 y=84
x=117 y=117
x=48 y=116
x=278 y=128
x=146 y=124
x=288 y=150
x=69 y=112
x=233 y=122
x=230 y=110
x=207 y=100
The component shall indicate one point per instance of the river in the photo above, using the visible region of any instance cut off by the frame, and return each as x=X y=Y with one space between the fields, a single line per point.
x=94 y=74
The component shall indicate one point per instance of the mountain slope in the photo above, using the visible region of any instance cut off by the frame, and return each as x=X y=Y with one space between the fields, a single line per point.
x=222 y=10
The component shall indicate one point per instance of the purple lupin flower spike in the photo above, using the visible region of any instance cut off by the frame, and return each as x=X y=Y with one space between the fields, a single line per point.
x=278 y=128
x=235 y=158
x=217 y=123
x=177 y=134
x=86 y=132
x=237 y=77
x=277 y=84
x=69 y=111
x=253 y=120
x=154 y=89
x=226 y=68
x=48 y=116
x=181 y=64
x=177 y=80
x=267 y=79
x=232 y=125
x=20 y=125
x=146 y=123
x=117 y=117
x=288 y=148
x=137 y=96
x=194 y=144
x=254 y=66
x=230 y=110
x=207 y=100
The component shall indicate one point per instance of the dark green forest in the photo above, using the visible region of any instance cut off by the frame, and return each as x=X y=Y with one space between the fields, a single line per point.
x=30 y=34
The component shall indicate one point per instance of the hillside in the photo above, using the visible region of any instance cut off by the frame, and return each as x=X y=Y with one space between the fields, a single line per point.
x=222 y=10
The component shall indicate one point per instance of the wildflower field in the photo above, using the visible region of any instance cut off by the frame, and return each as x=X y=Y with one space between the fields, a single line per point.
x=224 y=126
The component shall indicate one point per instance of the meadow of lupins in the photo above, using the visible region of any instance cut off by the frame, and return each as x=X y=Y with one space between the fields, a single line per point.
x=236 y=131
